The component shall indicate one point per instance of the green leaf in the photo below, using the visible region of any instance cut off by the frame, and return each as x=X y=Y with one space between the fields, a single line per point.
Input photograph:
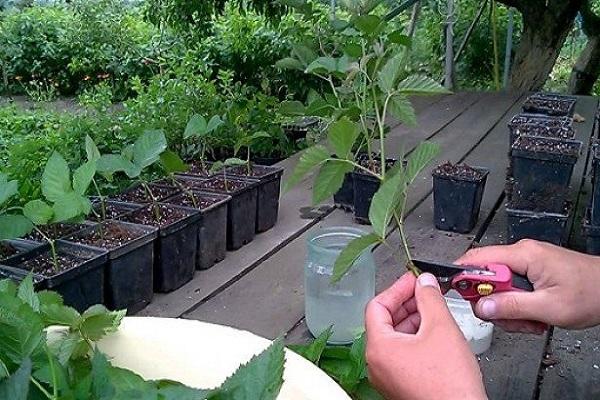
x=389 y=74
x=351 y=253
x=217 y=166
x=420 y=85
x=59 y=314
x=113 y=163
x=261 y=378
x=353 y=50
x=7 y=188
x=291 y=108
x=26 y=293
x=234 y=162
x=420 y=158
x=97 y=321
x=330 y=179
x=214 y=123
x=148 y=148
x=38 y=212
x=14 y=226
x=342 y=135
x=82 y=177
x=304 y=54
x=56 y=179
x=197 y=126
x=313 y=351
x=323 y=65
x=172 y=163
x=69 y=206
x=170 y=390
x=16 y=387
x=91 y=150
x=401 y=108
x=21 y=329
x=289 y=63
x=385 y=202
x=368 y=24
x=311 y=158
x=319 y=108
x=399 y=38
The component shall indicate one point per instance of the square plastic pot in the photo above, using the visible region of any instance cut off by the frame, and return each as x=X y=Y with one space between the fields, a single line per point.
x=241 y=224
x=344 y=198
x=595 y=201
x=543 y=226
x=364 y=188
x=56 y=231
x=81 y=286
x=550 y=104
x=540 y=179
x=212 y=226
x=129 y=275
x=114 y=209
x=457 y=202
x=136 y=194
x=175 y=248
x=540 y=126
x=196 y=169
x=268 y=192
x=17 y=247
x=592 y=235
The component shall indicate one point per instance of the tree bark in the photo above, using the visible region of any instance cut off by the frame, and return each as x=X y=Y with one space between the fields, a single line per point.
x=587 y=68
x=546 y=25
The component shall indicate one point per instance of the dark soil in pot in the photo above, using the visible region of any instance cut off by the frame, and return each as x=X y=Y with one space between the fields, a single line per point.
x=138 y=195
x=78 y=277
x=129 y=273
x=546 y=121
x=241 y=224
x=112 y=209
x=457 y=193
x=176 y=246
x=550 y=105
x=543 y=226
x=54 y=231
x=198 y=169
x=543 y=126
x=212 y=231
x=541 y=172
x=12 y=248
x=268 y=192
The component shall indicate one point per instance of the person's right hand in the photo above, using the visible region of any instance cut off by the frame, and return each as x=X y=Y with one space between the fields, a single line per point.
x=566 y=286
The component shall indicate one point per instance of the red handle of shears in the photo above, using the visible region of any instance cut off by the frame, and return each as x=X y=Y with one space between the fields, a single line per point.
x=474 y=284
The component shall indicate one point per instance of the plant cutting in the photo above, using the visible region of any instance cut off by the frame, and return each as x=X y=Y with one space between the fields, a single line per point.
x=50 y=351
x=198 y=133
x=457 y=193
x=365 y=68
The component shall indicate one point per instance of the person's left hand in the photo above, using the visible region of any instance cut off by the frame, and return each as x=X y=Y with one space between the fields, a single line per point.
x=415 y=350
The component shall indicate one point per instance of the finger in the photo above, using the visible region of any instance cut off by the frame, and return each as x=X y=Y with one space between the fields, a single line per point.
x=409 y=307
x=410 y=324
x=380 y=312
x=513 y=306
x=378 y=320
x=396 y=295
x=431 y=304
x=513 y=255
x=531 y=327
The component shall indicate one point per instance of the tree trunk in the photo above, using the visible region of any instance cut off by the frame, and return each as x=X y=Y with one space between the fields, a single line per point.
x=587 y=68
x=546 y=25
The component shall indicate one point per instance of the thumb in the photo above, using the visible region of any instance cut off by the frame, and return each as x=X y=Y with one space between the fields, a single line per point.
x=512 y=306
x=431 y=304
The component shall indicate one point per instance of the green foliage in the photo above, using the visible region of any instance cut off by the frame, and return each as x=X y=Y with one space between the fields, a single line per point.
x=12 y=224
x=67 y=364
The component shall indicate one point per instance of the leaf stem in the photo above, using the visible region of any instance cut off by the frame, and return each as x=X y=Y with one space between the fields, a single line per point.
x=51 y=242
x=155 y=208
x=102 y=199
x=53 y=373
x=41 y=388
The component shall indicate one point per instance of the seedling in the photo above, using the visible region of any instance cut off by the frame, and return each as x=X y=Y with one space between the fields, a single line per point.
x=13 y=224
x=136 y=158
x=200 y=131
x=93 y=155
x=246 y=141
x=173 y=164
x=64 y=198
x=223 y=165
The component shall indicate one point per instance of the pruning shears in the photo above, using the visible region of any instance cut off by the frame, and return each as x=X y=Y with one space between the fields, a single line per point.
x=474 y=282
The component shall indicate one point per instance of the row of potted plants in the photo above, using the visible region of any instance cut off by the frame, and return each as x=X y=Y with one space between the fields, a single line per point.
x=542 y=157
x=152 y=237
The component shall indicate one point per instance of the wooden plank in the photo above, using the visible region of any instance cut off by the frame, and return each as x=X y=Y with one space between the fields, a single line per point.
x=296 y=216
x=284 y=305
x=573 y=366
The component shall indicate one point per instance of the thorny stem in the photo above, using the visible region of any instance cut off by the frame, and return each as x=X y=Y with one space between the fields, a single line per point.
x=155 y=208
x=52 y=244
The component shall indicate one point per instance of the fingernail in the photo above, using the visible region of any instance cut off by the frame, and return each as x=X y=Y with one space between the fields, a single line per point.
x=488 y=308
x=428 y=280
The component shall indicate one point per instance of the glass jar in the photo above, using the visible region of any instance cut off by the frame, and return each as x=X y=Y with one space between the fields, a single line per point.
x=341 y=305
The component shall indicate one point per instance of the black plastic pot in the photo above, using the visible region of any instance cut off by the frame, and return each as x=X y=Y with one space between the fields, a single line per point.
x=175 y=249
x=114 y=209
x=195 y=171
x=128 y=280
x=81 y=286
x=298 y=129
x=595 y=201
x=267 y=160
x=456 y=202
x=17 y=247
x=62 y=230
x=541 y=178
x=268 y=191
x=550 y=104
x=540 y=126
x=364 y=188
x=241 y=224
x=344 y=198
x=544 y=226
x=159 y=192
x=212 y=226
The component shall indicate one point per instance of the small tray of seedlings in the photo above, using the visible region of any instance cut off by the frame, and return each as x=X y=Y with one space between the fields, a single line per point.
x=457 y=193
x=177 y=243
x=550 y=104
x=212 y=226
x=541 y=172
x=366 y=185
x=128 y=280
x=546 y=121
x=552 y=127
x=140 y=195
x=76 y=272
x=539 y=225
x=268 y=191
x=241 y=224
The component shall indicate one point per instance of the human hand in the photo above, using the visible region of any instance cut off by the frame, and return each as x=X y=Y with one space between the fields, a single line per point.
x=565 y=287
x=415 y=350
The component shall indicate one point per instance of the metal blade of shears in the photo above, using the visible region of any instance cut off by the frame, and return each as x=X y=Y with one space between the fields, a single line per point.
x=443 y=272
